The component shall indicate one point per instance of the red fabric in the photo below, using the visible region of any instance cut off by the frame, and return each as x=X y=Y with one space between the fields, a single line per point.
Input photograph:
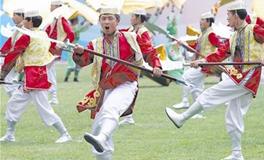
x=148 y=50
x=253 y=83
x=259 y=33
x=7 y=46
x=193 y=44
x=248 y=19
x=260 y=22
x=19 y=47
x=221 y=53
x=36 y=77
x=67 y=29
x=84 y=104
x=124 y=30
x=214 y=39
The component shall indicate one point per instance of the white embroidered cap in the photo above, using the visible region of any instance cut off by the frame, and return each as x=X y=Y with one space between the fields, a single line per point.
x=56 y=2
x=140 y=12
x=32 y=13
x=236 y=5
x=207 y=15
x=109 y=11
x=19 y=10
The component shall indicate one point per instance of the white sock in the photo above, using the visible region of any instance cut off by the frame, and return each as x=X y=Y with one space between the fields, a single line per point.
x=128 y=116
x=185 y=93
x=60 y=127
x=10 y=127
x=107 y=156
x=192 y=110
x=235 y=140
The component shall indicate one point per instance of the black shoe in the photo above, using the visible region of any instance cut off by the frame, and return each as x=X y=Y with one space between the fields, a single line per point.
x=94 y=142
x=75 y=80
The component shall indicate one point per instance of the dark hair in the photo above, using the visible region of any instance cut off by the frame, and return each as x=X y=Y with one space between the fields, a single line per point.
x=242 y=13
x=210 y=21
x=143 y=18
x=116 y=15
x=35 y=20
x=20 y=14
x=74 y=20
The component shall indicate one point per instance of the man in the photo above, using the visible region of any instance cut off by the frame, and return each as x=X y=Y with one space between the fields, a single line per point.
x=240 y=83
x=207 y=42
x=60 y=30
x=72 y=67
x=137 y=21
x=35 y=57
x=116 y=83
x=18 y=17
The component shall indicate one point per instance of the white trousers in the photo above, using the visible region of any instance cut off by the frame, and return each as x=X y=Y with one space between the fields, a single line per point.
x=262 y=76
x=194 y=77
x=116 y=101
x=18 y=102
x=238 y=99
x=52 y=77
x=12 y=77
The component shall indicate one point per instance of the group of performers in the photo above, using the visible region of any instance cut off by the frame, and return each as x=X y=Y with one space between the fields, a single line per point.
x=115 y=85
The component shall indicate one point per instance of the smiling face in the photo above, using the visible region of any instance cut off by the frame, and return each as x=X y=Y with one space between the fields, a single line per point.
x=108 y=23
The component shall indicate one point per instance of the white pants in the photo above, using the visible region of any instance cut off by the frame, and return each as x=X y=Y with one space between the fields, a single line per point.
x=116 y=101
x=194 y=77
x=238 y=97
x=262 y=76
x=18 y=102
x=52 y=77
x=12 y=77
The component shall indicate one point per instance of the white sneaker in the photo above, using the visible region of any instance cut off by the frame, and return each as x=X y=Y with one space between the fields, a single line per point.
x=8 y=138
x=198 y=116
x=176 y=118
x=234 y=157
x=182 y=105
x=127 y=121
x=64 y=138
x=54 y=101
x=95 y=142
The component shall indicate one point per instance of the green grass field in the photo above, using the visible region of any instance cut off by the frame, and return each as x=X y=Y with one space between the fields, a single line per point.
x=153 y=137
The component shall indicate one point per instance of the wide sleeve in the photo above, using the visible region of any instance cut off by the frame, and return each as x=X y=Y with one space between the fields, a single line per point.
x=67 y=29
x=85 y=58
x=221 y=53
x=148 y=51
x=10 y=60
x=214 y=39
x=258 y=31
x=7 y=46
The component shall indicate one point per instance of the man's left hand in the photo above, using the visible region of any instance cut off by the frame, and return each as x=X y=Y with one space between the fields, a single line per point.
x=157 y=72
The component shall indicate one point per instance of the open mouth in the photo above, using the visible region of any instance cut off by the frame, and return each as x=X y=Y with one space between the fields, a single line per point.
x=106 y=27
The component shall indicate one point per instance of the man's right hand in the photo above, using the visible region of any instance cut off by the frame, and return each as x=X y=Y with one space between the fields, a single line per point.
x=78 y=49
x=196 y=63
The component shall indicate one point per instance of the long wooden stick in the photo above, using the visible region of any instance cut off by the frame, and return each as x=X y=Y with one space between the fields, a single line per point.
x=185 y=46
x=226 y=63
x=3 y=82
x=133 y=65
x=2 y=55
